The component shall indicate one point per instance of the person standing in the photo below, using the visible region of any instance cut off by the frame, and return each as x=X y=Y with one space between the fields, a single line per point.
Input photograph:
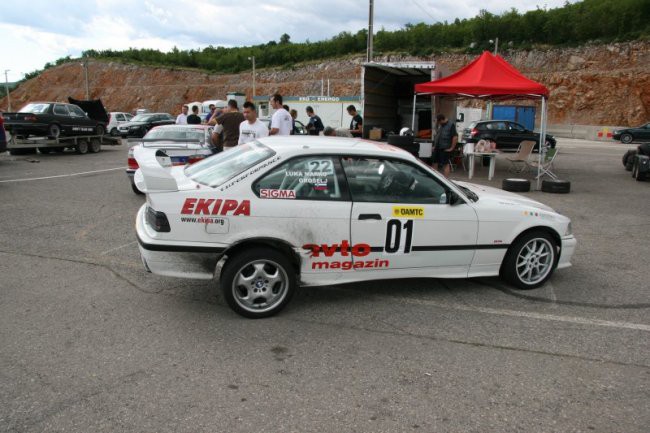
x=194 y=119
x=294 y=116
x=444 y=144
x=252 y=128
x=356 y=124
x=281 y=122
x=181 y=119
x=213 y=109
x=315 y=125
x=229 y=123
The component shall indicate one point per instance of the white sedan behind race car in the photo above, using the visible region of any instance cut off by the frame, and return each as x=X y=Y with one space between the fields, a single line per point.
x=287 y=211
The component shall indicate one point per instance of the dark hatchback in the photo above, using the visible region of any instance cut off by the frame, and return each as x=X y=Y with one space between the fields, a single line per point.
x=141 y=124
x=628 y=135
x=52 y=119
x=508 y=135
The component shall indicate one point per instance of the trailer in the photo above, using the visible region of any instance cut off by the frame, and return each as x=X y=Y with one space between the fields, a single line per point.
x=82 y=144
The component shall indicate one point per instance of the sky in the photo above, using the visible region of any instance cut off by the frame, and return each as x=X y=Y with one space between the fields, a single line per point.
x=35 y=32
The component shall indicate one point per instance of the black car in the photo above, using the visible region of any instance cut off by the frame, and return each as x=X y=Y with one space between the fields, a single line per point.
x=52 y=119
x=139 y=125
x=507 y=134
x=628 y=135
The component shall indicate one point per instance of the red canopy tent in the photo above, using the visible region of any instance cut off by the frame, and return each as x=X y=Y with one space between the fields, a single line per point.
x=489 y=77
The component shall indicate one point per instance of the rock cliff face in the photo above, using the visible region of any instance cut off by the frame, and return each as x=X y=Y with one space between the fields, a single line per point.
x=590 y=85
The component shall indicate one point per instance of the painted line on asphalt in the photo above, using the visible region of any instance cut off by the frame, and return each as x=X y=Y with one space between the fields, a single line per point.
x=62 y=175
x=529 y=315
x=117 y=248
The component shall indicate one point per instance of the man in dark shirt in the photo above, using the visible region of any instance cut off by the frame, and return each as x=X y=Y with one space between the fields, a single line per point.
x=194 y=119
x=229 y=123
x=356 y=125
x=315 y=125
x=444 y=144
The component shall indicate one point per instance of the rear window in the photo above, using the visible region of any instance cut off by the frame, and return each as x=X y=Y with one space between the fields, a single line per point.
x=219 y=168
x=188 y=134
x=142 y=117
x=34 y=108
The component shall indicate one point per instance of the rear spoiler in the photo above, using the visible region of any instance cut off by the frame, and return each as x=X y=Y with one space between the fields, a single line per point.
x=154 y=174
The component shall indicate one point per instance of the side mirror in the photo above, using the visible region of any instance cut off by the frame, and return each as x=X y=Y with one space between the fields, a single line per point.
x=454 y=198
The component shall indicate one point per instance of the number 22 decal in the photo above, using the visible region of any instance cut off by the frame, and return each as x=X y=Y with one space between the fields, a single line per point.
x=394 y=236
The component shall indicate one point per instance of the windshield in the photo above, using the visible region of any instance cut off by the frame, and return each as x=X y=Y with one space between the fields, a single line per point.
x=470 y=195
x=176 y=134
x=34 y=108
x=141 y=118
x=218 y=169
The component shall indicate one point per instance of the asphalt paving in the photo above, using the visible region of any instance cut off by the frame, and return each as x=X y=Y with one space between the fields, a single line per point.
x=91 y=342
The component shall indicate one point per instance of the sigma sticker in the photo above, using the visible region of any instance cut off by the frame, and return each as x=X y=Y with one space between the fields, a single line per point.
x=408 y=211
x=211 y=206
x=277 y=193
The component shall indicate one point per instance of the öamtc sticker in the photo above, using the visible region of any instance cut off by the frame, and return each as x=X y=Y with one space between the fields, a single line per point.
x=408 y=211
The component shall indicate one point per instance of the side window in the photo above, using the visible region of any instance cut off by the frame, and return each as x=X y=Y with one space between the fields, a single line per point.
x=76 y=111
x=305 y=178
x=120 y=117
x=391 y=181
x=61 y=110
x=515 y=127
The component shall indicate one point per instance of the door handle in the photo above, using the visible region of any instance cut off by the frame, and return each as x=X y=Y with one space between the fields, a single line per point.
x=369 y=216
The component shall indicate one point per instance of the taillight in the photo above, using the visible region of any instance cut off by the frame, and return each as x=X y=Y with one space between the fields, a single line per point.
x=158 y=220
x=474 y=132
x=109 y=117
x=195 y=158
x=133 y=164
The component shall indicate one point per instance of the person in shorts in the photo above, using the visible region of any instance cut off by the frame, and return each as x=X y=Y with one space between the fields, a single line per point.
x=444 y=144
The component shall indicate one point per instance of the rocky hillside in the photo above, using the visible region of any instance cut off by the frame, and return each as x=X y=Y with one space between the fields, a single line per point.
x=591 y=85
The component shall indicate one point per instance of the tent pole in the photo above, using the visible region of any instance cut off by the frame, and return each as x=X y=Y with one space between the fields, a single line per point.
x=415 y=95
x=542 y=142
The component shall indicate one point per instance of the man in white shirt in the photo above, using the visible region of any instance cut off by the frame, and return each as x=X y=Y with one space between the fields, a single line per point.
x=281 y=122
x=251 y=128
x=181 y=119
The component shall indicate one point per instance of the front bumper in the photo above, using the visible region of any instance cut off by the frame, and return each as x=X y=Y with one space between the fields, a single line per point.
x=196 y=260
x=568 y=248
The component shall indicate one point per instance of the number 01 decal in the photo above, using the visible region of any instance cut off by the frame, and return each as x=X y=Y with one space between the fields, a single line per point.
x=394 y=230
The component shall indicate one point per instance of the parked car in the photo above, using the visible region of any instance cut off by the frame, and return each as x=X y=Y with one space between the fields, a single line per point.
x=628 y=135
x=52 y=119
x=183 y=144
x=115 y=119
x=300 y=127
x=284 y=211
x=507 y=135
x=140 y=124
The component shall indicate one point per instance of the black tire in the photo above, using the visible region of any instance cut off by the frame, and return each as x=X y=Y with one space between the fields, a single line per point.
x=628 y=159
x=45 y=150
x=95 y=146
x=636 y=173
x=530 y=260
x=516 y=185
x=114 y=132
x=54 y=131
x=100 y=130
x=627 y=138
x=82 y=147
x=258 y=264
x=556 y=186
x=135 y=189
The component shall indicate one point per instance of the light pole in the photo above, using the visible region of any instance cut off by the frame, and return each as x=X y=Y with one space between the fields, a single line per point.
x=496 y=45
x=85 y=66
x=370 y=30
x=7 y=90
x=252 y=59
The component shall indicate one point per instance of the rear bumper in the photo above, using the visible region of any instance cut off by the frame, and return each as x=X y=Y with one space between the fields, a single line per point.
x=173 y=259
x=32 y=128
x=568 y=248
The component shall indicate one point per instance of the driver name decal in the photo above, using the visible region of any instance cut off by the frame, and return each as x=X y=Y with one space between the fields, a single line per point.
x=408 y=211
x=211 y=206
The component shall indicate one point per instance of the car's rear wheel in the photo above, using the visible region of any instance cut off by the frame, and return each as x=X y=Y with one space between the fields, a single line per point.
x=258 y=283
x=115 y=132
x=82 y=147
x=626 y=138
x=530 y=260
x=54 y=131
x=100 y=130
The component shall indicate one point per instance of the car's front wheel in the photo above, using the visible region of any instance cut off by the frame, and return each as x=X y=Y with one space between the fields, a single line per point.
x=258 y=283
x=626 y=138
x=530 y=260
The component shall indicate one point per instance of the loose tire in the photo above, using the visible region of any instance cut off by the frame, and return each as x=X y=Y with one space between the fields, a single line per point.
x=556 y=186
x=95 y=146
x=54 y=131
x=82 y=147
x=258 y=283
x=100 y=130
x=626 y=138
x=516 y=185
x=636 y=173
x=628 y=159
x=530 y=260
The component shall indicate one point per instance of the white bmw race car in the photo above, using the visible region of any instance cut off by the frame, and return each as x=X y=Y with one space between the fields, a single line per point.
x=288 y=211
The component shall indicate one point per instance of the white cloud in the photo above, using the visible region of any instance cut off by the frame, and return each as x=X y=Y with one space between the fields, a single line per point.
x=41 y=31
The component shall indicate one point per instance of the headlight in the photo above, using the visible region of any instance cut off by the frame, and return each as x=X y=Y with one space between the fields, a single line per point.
x=569 y=230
